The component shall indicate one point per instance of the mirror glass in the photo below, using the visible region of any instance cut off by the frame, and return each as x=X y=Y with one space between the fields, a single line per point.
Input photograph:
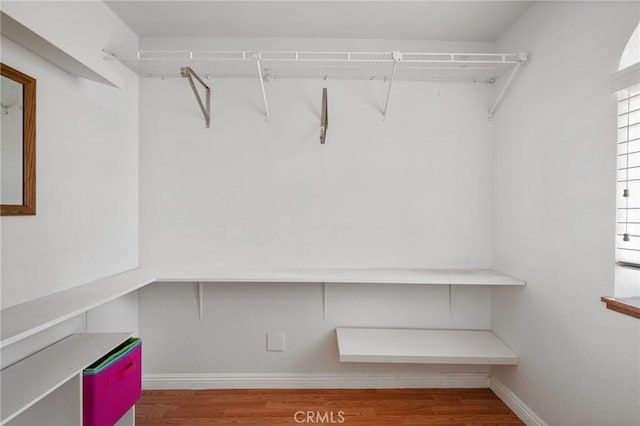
x=11 y=155
x=17 y=143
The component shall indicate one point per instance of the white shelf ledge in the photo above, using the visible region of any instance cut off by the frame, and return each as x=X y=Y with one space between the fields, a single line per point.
x=343 y=275
x=26 y=319
x=382 y=345
x=28 y=381
x=38 y=44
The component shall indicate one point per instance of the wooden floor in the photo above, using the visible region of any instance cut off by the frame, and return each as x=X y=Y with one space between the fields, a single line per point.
x=264 y=407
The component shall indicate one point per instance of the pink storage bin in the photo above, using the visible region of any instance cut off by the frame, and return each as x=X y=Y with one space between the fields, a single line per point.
x=113 y=386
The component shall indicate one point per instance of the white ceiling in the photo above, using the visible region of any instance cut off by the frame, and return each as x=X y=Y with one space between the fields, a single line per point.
x=405 y=20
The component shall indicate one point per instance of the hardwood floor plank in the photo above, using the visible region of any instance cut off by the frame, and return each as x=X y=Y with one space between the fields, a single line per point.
x=447 y=419
x=518 y=423
x=358 y=407
x=470 y=409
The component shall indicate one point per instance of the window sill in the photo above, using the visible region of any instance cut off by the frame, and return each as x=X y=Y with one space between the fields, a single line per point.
x=624 y=305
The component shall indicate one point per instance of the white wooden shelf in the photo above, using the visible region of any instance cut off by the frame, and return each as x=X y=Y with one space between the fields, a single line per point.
x=343 y=275
x=383 y=345
x=30 y=380
x=26 y=319
x=40 y=45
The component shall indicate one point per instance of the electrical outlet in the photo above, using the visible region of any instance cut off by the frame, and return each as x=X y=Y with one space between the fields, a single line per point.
x=276 y=342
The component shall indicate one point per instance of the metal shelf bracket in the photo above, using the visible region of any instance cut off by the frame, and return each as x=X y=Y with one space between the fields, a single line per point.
x=267 y=116
x=324 y=119
x=523 y=58
x=188 y=73
x=397 y=57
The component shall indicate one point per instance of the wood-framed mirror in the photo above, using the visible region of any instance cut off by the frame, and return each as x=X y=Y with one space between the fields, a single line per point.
x=17 y=143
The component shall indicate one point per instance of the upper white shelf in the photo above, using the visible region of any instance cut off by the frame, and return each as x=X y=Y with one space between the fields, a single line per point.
x=342 y=275
x=43 y=46
x=411 y=66
x=26 y=319
x=28 y=381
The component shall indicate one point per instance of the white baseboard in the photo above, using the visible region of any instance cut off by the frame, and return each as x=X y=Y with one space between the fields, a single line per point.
x=522 y=410
x=314 y=381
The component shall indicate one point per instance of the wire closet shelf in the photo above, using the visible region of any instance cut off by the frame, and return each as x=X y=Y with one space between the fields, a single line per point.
x=475 y=67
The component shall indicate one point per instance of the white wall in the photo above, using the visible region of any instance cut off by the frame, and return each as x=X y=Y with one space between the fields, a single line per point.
x=86 y=225
x=554 y=218
x=263 y=44
x=412 y=191
x=230 y=340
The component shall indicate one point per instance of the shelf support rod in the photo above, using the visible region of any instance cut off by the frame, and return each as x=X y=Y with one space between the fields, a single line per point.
x=267 y=116
x=396 y=58
x=200 y=301
x=522 y=58
x=188 y=73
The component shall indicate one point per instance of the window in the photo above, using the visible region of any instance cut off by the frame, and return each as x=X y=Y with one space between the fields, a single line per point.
x=628 y=177
x=628 y=170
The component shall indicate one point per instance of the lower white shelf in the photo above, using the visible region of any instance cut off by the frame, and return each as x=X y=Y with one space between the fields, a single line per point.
x=387 y=345
x=28 y=381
